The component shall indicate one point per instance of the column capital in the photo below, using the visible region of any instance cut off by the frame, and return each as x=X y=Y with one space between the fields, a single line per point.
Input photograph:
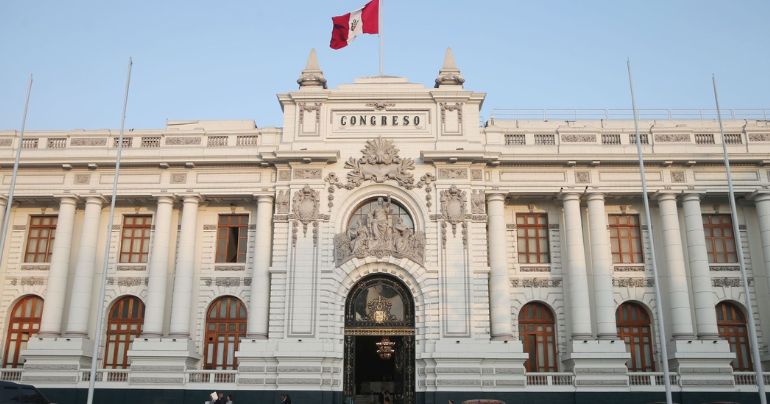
x=263 y=198
x=95 y=198
x=664 y=196
x=64 y=198
x=692 y=196
x=759 y=196
x=570 y=196
x=190 y=197
x=164 y=197
x=496 y=197
x=595 y=196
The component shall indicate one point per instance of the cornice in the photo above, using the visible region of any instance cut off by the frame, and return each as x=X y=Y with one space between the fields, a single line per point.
x=455 y=156
x=302 y=156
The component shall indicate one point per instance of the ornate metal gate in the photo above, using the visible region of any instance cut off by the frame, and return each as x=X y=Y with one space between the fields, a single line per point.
x=381 y=306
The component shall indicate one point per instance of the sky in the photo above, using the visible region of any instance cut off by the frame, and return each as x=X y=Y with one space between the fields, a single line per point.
x=227 y=59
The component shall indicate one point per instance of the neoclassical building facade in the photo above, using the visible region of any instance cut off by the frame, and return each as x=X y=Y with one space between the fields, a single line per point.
x=383 y=244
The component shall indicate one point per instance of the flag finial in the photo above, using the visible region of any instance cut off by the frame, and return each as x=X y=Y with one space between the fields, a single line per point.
x=312 y=75
x=449 y=74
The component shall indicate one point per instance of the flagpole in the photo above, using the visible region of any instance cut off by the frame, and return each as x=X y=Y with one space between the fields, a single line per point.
x=658 y=301
x=741 y=264
x=379 y=30
x=107 y=240
x=12 y=189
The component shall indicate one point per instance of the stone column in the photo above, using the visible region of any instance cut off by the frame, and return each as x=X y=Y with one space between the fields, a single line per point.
x=676 y=277
x=703 y=294
x=260 y=273
x=56 y=290
x=499 y=281
x=185 y=268
x=762 y=202
x=601 y=263
x=82 y=287
x=3 y=206
x=579 y=306
x=155 y=306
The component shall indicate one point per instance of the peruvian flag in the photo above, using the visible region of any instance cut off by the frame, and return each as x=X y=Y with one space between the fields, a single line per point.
x=348 y=26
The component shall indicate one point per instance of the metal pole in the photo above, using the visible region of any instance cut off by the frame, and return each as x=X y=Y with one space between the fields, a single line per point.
x=658 y=301
x=105 y=264
x=7 y=217
x=739 y=247
x=379 y=31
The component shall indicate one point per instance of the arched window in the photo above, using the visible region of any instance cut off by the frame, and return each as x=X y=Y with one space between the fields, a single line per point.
x=537 y=333
x=732 y=327
x=123 y=325
x=225 y=325
x=25 y=321
x=633 y=324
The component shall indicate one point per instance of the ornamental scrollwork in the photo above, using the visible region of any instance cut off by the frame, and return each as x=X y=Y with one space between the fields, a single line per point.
x=380 y=162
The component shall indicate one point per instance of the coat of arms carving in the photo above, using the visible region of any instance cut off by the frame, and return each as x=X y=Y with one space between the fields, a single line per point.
x=453 y=205
x=305 y=207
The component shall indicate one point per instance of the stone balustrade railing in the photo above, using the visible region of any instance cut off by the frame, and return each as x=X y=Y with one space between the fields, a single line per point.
x=37 y=141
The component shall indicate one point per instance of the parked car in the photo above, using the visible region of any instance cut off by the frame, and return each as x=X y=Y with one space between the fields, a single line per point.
x=14 y=393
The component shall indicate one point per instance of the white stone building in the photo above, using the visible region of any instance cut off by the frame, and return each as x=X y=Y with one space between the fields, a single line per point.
x=505 y=260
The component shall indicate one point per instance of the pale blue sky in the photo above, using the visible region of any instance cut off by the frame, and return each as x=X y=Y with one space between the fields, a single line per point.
x=226 y=59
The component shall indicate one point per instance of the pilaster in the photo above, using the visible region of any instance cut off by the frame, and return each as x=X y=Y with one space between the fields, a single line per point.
x=499 y=281
x=260 y=284
x=56 y=291
x=601 y=261
x=82 y=290
x=703 y=294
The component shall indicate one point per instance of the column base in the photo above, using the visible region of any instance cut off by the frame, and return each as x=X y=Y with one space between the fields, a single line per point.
x=161 y=360
x=598 y=364
x=57 y=361
x=702 y=363
x=471 y=365
x=290 y=365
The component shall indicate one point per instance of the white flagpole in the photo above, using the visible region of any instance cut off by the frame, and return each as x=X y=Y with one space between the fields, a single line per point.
x=658 y=301
x=7 y=217
x=741 y=264
x=100 y=304
x=379 y=31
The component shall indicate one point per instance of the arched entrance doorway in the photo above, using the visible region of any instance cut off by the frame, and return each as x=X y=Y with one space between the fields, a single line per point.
x=379 y=342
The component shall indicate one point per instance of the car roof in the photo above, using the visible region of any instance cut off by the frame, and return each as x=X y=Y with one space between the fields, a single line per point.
x=8 y=384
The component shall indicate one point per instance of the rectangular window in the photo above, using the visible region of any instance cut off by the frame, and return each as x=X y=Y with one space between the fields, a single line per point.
x=720 y=240
x=232 y=238
x=625 y=239
x=40 y=238
x=532 y=236
x=135 y=239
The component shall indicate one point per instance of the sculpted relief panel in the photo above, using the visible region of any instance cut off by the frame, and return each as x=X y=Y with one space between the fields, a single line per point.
x=380 y=228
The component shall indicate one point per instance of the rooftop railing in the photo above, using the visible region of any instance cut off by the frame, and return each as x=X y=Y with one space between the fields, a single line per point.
x=627 y=114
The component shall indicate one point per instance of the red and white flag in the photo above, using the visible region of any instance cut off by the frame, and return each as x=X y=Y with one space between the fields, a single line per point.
x=362 y=21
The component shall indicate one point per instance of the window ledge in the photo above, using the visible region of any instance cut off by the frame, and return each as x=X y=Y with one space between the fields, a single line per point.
x=725 y=267
x=535 y=268
x=628 y=267
x=132 y=267
x=230 y=267
x=37 y=266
